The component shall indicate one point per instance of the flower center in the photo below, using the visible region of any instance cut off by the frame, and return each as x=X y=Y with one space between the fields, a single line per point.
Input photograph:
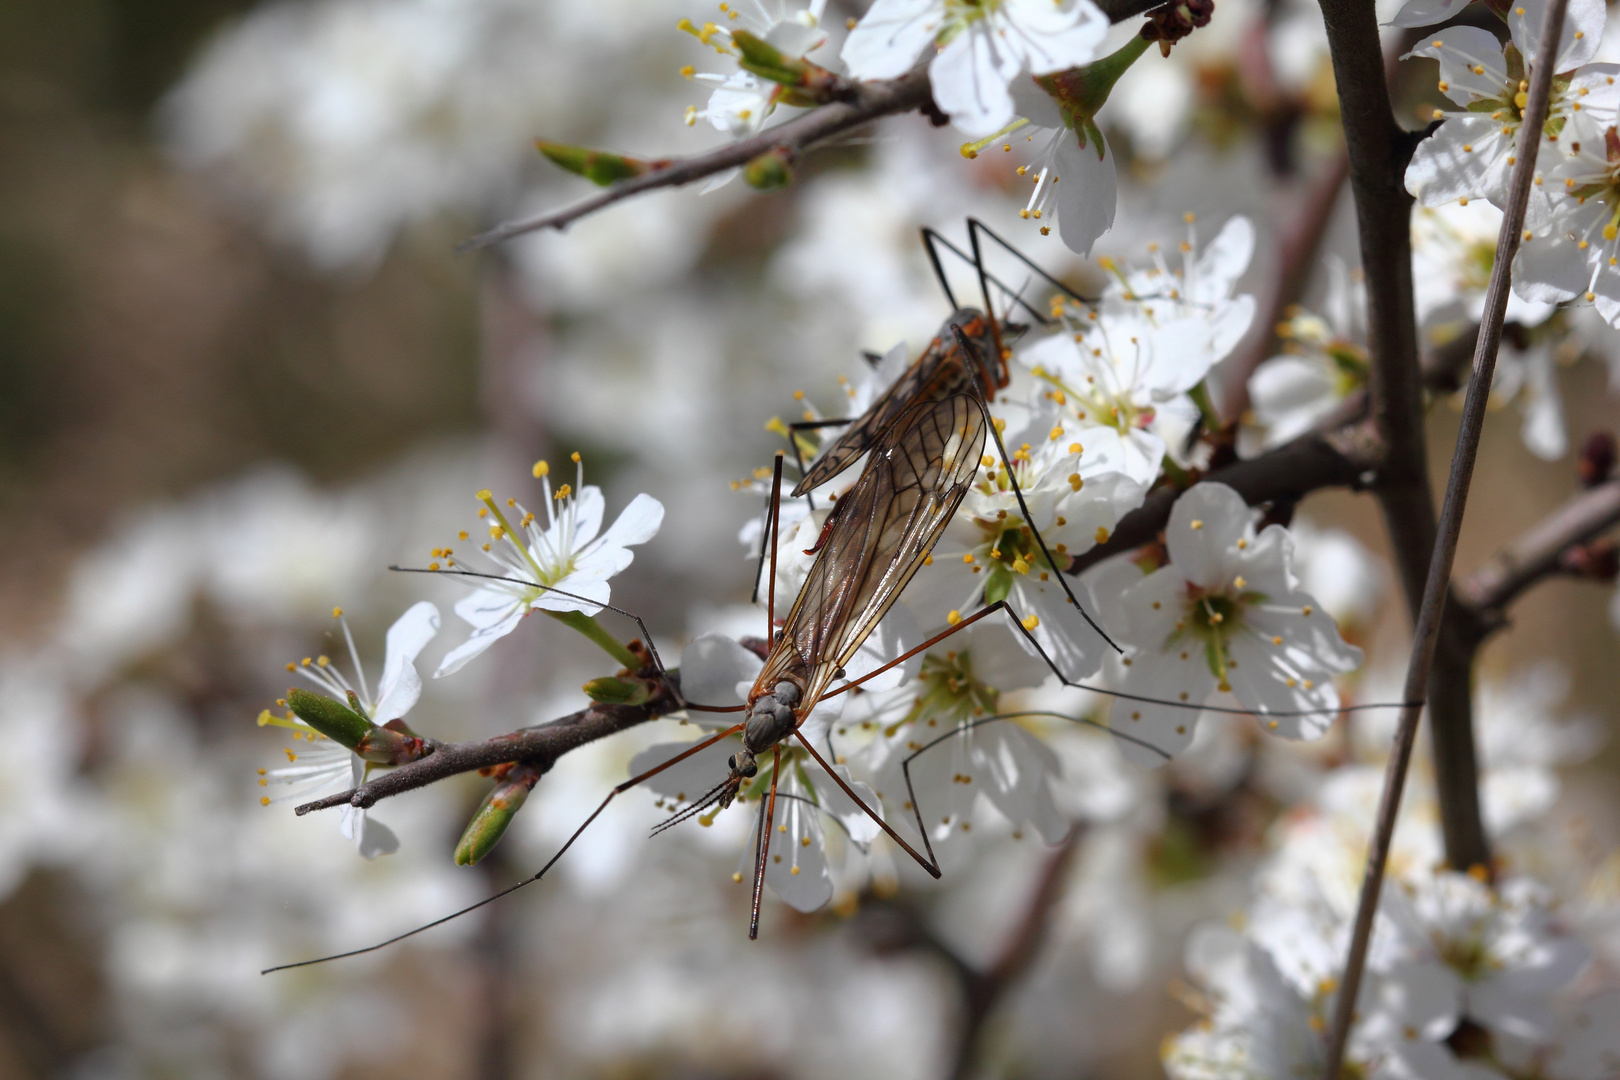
x=951 y=692
x=1213 y=619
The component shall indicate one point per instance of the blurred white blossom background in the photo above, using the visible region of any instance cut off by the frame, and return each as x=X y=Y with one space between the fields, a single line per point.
x=247 y=374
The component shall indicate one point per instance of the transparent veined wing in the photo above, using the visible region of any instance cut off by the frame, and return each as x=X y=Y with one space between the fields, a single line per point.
x=880 y=531
x=938 y=373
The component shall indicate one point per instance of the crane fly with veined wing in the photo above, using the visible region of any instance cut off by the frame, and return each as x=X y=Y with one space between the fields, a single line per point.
x=916 y=477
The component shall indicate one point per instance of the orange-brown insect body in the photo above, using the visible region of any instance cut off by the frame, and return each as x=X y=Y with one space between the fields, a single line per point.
x=941 y=370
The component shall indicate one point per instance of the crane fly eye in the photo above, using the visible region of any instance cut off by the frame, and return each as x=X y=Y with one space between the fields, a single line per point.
x=731 y=762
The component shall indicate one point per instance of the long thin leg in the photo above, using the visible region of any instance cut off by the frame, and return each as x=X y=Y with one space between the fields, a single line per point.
x=930 y=864
x=931 y=238
x=646 y=635
x=765 y=845
x=1018 y=625
x=1023 y=507
x=776 y=527
x=538 y=874
x=764 y=539
x=975 y=227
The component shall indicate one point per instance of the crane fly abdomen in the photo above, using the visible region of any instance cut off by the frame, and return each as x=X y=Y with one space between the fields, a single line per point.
x=918 y=474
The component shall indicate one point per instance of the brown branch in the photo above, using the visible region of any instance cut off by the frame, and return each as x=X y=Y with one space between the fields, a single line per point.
x=1538 y=554
x=1346 y=31
x=541 y=746
x=860 y=104
x=891 y=926
x=1297 y=247
x=1345 y=457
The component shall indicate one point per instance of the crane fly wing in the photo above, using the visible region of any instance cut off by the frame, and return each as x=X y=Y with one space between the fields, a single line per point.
x=920 y=470
x=938 y=373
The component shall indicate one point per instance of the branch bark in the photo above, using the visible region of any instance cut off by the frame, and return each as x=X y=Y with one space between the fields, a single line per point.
x=541 y=746
x=866 y=101
x=1538 y=554
x=1437 y=586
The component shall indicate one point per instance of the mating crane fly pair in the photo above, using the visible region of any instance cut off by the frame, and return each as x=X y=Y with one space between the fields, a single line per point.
x=925 y=437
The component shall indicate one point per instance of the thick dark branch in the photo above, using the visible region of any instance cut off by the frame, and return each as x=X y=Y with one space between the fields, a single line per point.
x=1350 y=23
x=1538 y=554
x=1342 y=458
x=865 y=102
x=541 y=745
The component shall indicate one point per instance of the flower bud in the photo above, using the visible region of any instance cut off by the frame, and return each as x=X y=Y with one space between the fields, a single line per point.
x=616 y=691
x=770 y=171
x=495 y=813
x=598 y=166
x=331 y=718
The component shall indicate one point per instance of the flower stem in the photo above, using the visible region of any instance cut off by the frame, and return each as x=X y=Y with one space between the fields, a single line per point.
x=592 y=629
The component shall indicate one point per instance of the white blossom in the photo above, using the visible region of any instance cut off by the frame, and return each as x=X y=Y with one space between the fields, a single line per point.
x=1324 y=362
x=321 y=765
x=566 y=554
x=1225 y=613
x=982 y=49
x=1075 y=483
x=1130 y=365
x=1472 y=153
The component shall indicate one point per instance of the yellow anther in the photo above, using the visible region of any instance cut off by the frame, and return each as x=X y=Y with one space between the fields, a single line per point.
x=1057 y=433
x=1276 y=640
x=1032 y=622
x=1238 y=582
x=563 y=492
x=462 y=535
x=337 y=613
x=484 y=496
x=687 y=72
x=954 y=617
x=968 y=558
x=541 y=468
x=1020 y=566
x=264 y=800
x=1075 y=482
x=574 y=457
x=1101 y=535
x=1197 y=524
x=1306 y=610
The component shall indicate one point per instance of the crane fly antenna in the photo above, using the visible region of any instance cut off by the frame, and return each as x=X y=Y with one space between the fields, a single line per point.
x=1023 y=507
x=701 y=744
x=646 y=635
x=702 y=804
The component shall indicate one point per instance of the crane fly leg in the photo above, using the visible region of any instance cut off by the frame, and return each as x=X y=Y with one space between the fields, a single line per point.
x=930 y=864
x=763 y=859
x=701 y=744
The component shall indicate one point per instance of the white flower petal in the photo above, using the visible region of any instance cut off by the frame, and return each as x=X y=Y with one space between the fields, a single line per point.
x=401 y=685
x=1086 y=195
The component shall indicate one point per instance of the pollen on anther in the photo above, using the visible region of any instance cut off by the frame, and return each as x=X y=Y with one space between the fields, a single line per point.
x=1239 y=583
x=954 y=617
x=541 y=468
x=1275 y=640
x=1306 y=610
x=1197 y=524
x=1032 y=622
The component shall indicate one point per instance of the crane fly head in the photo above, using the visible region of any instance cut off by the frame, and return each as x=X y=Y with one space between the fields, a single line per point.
x=992 y=342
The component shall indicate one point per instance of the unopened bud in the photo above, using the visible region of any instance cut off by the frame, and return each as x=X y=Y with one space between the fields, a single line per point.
x=616 y=691
x=495 y=813
x=598 y=166
x=770 y=171
x=1597 y=459
x=331 y=718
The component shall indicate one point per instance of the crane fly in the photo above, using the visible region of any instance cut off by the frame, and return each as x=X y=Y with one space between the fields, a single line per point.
x=916 y=476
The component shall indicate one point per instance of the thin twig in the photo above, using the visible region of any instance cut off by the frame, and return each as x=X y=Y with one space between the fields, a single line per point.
x=1538 y=554
x=541 y=745
x=1427 y=632
x=861 y=103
